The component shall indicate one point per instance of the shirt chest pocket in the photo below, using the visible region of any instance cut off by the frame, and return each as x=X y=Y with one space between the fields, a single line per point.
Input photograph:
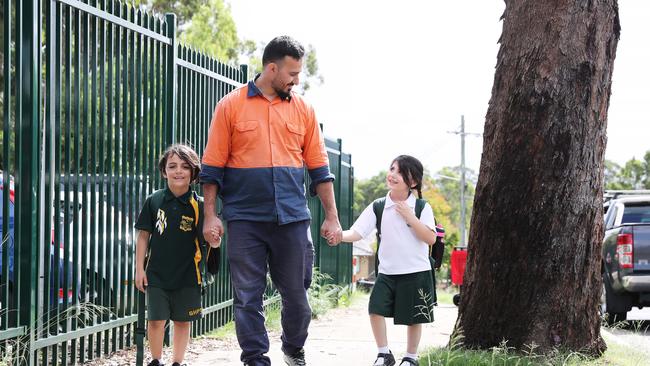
x=245 y=135
x=294 y=136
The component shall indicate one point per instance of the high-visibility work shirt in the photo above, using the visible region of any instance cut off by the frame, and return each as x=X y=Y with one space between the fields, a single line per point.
x=175 y=254
x=256 y=153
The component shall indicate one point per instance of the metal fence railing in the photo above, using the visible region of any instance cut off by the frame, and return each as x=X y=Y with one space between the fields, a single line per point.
x=91 y=92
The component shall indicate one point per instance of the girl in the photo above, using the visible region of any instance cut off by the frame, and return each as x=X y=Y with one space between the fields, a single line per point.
x=404 y=288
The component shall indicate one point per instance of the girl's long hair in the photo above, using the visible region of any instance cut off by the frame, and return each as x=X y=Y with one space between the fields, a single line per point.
x=412 y=171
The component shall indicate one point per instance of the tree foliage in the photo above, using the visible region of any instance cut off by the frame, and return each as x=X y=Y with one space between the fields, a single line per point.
x=635 y=174
x=208 y=26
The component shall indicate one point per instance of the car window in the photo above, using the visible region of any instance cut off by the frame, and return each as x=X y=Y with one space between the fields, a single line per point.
x=611 y=217
x=636 y=213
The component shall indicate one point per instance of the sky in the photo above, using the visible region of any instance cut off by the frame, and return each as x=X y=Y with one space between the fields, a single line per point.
x=400 y=74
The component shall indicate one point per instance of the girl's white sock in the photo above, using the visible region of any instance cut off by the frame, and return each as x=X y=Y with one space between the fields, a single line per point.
x=411 y=355
x=383 y=349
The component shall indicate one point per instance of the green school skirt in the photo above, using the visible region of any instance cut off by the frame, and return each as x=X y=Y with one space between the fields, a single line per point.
x=407 y=298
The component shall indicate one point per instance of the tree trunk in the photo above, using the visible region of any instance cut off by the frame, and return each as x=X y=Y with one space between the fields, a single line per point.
x=534 y=261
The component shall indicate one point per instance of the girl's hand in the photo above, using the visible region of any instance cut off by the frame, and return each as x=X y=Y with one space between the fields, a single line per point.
x=141 y=281
x=405 y=211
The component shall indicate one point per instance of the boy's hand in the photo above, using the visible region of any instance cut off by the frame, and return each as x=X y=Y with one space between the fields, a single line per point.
x=405 y=211
x=141 y=281
x=217 y=243
x=213 y=230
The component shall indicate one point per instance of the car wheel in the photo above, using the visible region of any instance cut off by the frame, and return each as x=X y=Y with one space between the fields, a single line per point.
x=613 y=318
x=610 y=317
x=88 y=295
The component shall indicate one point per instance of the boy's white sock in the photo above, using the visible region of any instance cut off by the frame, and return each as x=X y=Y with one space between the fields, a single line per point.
x=411 y=355
x=383 y=349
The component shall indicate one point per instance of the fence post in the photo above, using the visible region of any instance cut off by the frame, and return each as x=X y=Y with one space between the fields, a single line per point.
x=27 y=158
x=171 y=83
x=243 y=69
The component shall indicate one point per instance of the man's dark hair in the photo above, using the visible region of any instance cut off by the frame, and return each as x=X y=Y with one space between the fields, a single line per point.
x=412 y=172
x=282 y=46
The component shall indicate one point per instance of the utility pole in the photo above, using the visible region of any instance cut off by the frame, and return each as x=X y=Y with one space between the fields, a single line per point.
x=463 y=241
x=462 y=133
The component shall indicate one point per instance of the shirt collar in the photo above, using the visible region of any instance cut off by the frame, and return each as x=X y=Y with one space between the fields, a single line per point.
x=253 y=90
x=410 y=201
x=185 y=198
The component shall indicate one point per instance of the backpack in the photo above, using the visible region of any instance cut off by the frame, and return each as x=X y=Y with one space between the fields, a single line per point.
x=210 y=257
x=435 y=251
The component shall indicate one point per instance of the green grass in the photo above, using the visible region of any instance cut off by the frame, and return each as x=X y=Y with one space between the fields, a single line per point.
x=445 y=296
x=616 y=354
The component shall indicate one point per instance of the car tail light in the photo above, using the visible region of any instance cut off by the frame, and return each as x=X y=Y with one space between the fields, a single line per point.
x=625 y=250
x=61 y=295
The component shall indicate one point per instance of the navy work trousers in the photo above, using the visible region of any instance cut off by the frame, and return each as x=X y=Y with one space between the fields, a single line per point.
x=288 y=252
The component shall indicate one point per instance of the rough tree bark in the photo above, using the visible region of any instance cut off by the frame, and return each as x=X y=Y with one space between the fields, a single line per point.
x=533 y=271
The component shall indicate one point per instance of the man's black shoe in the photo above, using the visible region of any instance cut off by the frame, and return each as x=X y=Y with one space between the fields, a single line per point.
x=296 y=359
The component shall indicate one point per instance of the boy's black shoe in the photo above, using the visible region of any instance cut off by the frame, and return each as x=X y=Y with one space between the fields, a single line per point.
x=408 y=361
x=177 y=364
x=155 y=362
x=296 y=359
x=384 y=359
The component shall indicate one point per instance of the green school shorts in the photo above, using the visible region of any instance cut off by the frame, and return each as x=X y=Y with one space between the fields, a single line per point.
x=407 y=298
x=182 y=305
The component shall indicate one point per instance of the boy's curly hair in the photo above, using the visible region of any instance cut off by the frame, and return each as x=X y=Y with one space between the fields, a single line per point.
x=187 y=154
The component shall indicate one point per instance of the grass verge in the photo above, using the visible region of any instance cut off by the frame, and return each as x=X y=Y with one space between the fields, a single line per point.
x=616 y=354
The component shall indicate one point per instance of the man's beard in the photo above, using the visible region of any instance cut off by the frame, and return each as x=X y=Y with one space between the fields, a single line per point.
x=282 y=94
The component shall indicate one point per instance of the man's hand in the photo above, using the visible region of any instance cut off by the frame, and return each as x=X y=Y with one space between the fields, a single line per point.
x=141 y=281
x=213 y=230
x=331 y=230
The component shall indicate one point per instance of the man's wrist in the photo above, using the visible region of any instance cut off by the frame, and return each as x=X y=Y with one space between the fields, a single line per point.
x=331 y=214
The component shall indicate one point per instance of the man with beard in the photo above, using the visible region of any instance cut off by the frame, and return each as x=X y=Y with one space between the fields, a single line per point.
x=261 y=137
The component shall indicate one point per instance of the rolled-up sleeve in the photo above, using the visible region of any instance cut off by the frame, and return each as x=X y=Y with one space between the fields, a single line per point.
x=315 y=154
x=318 y=176
x=217 y=149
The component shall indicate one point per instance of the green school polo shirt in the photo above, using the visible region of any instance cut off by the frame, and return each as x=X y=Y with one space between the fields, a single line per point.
x=174 y=251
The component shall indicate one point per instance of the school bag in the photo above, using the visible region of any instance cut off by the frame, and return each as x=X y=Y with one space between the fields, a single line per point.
x=435 y=251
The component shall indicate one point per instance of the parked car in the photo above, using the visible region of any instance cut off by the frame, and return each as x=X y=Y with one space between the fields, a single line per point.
x=10 y=249
x=72 y=209
x=626 y=253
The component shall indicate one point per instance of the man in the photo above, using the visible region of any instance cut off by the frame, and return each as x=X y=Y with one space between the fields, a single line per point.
x=261 y=137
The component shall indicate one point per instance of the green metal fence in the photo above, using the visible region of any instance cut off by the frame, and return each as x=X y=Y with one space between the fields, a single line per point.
x=91 y=92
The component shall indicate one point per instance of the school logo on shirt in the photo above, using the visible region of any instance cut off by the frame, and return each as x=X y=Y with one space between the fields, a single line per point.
x=186 y=223
x=161 y=221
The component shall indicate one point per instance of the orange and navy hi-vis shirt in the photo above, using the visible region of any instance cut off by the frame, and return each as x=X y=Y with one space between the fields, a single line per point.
x=256 y=153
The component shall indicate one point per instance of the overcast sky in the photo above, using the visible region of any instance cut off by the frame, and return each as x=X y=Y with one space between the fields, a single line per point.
x=399 y=74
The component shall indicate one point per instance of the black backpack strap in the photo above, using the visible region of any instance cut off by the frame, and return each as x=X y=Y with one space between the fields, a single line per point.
x=378 y=208
x=419 y=206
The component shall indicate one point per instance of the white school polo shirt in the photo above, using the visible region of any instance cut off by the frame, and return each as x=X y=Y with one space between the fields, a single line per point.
x=400 y=251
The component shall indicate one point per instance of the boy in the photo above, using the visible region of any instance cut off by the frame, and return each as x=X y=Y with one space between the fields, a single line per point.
x=170 y=227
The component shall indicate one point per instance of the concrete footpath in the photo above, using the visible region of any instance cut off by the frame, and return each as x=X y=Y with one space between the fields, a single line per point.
x=341 y=337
